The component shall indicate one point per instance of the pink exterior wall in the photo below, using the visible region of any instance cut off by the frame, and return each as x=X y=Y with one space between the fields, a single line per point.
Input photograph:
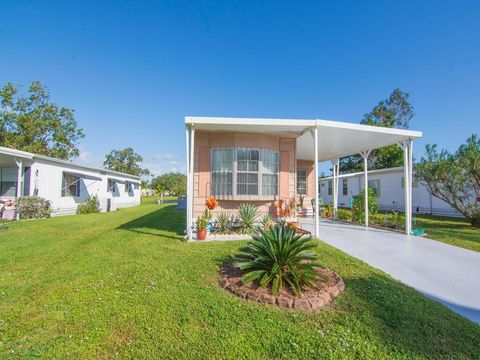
x=204 y=141
x=308 y=166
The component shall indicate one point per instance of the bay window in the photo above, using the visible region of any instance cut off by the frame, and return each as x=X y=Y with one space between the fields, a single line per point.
x=244 y=172
x=270 y=167
x=247 y=171
x=222 y=171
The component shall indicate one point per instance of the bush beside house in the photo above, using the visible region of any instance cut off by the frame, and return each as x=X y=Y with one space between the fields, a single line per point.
x=90 y=206
x=33 y=207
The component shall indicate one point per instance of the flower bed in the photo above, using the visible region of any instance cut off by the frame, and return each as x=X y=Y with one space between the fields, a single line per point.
x=311 y=300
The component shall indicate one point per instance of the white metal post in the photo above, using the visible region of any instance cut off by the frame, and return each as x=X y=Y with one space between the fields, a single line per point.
x=317 y=210
x=19 y=177
x=189 y=195
x=410 y=168
x=337 y=188
x=407 y=185
x=365 y=156
x=334 y=188
x=192 y=172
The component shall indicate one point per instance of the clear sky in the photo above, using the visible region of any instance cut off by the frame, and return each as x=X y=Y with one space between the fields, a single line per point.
x=133 y=70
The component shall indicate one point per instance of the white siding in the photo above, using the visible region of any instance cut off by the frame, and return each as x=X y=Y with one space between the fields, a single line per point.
x=47 y=177
x=391 y=193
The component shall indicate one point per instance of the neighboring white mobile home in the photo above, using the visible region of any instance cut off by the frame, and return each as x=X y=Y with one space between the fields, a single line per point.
x=388 y=184
x=65 y=184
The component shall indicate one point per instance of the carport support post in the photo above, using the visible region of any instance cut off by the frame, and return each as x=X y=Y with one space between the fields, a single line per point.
x=410 y=168
x=187 y=143
x=19 y=177
x=335 y=183
x=317 y=224
x=365 y=156
x=407 y=176
x=192 y=169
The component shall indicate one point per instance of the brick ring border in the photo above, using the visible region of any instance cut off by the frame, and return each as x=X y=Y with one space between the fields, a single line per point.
x=311 y=303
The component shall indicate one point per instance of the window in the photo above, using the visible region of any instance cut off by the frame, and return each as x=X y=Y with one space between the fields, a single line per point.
x=71 y=185
x=111 y=185
x=302 y=182
x=222 y=171
x=375 y=186
x=414 y=183
x=244 y=172
x=345 y=187
x=270 y=165
x=247 y=171
x=330 y=187
x=8 y=182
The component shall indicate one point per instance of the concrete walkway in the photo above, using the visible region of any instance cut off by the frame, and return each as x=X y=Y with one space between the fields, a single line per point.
x=445 y=273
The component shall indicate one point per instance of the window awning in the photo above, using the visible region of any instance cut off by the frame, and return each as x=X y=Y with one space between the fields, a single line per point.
x=117 y=181
x=83 y=176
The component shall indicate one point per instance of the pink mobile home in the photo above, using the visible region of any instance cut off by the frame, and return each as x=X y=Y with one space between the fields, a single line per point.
x=260 y=161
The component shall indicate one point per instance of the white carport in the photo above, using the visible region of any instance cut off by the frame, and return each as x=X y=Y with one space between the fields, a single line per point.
x=317 y=140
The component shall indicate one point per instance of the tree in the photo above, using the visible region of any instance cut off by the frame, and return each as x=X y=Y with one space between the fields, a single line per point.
x=394 y=112
x=454 y=178
x=125 y=161
x=33 y=123
x=174 y=183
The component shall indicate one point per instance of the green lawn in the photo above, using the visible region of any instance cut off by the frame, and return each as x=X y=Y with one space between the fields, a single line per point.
x=123 y=284
x=452 y=231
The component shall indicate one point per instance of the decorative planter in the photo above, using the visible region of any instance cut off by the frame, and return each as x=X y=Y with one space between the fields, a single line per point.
x=201 y=234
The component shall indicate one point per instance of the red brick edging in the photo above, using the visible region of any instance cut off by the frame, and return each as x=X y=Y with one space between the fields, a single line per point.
x=311 y=301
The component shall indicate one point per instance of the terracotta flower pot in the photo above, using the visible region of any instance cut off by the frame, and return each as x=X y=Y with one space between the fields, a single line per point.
x=202 y=234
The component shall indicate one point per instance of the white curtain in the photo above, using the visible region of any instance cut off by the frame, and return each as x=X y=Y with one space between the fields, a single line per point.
x=222 y=171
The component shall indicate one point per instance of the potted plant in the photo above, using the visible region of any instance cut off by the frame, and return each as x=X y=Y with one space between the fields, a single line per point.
x=202 y=223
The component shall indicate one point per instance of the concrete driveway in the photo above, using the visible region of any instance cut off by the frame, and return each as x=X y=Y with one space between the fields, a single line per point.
x=445 y=273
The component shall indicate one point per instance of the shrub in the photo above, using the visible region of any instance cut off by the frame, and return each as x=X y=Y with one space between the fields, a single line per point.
x=278 y=258
x=358 y=208
x=328 y=211
x=90 y=206
x=224 y=222
x=266 y=221
x=344 y=215
x=248 y=215
x=202 y=223
x=33 y=207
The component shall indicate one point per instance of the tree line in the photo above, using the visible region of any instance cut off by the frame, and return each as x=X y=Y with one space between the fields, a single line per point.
x=32 y=122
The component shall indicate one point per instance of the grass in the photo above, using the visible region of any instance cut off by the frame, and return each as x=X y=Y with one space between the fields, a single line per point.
x=453 y=231
x=124 y=285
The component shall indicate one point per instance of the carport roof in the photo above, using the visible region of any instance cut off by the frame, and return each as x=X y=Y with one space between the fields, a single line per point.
x=335 y=139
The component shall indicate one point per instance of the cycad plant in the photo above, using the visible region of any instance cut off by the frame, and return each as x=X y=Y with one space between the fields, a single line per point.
x=278 y=258
x=224 y=222
x=266 y=221
x=248 y=215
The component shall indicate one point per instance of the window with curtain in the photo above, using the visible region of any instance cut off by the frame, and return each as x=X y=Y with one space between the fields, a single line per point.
x=71 y=185
x=247 y=171
x=255 y=172
x=345 y=187
x=375 y=186
x=222 y=171
x=270 y=167
x=8 y=182
x=330 y=187
x=302 y=182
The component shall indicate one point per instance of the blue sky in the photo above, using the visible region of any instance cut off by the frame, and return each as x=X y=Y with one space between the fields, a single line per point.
x=133 y=70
